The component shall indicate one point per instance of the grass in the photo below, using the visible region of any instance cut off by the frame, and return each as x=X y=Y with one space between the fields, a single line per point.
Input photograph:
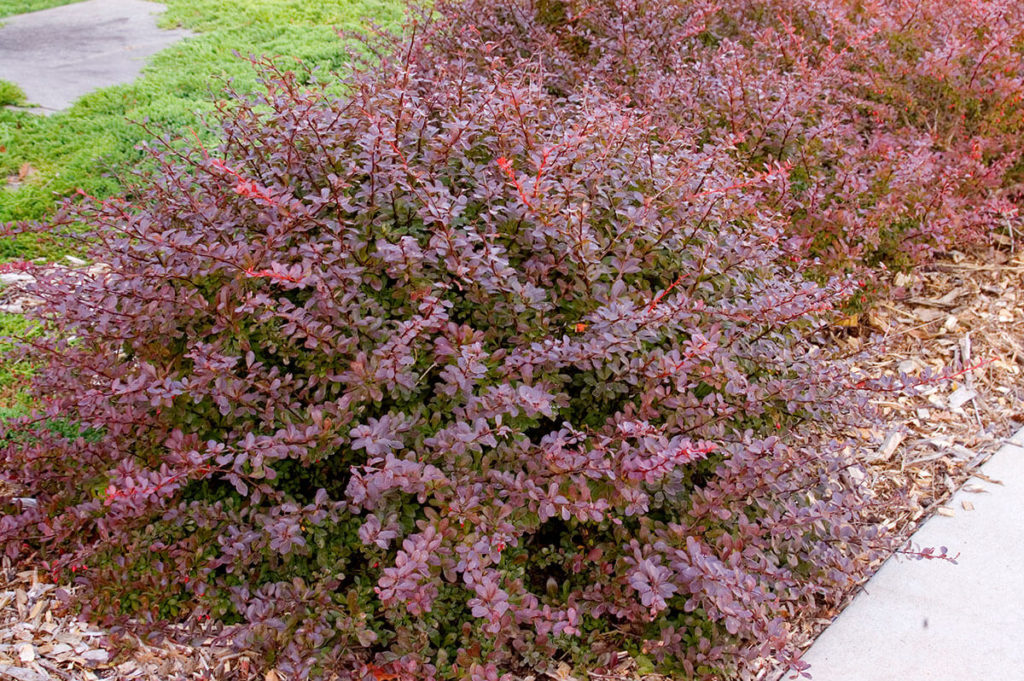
x=80 y=147
x=11 y=7
x=12 y=374
x=10 y=94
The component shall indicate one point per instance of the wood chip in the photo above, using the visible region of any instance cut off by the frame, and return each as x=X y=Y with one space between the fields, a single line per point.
x=26 y=652
x=927 y=314
x=95 y=656
x=23 y=674
x=888 y=448
x=37 y=609
x=21 y=600
x=960 y=397
x=982 y=476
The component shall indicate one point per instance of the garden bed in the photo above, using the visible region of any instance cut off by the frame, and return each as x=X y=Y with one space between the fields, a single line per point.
x=537 y=349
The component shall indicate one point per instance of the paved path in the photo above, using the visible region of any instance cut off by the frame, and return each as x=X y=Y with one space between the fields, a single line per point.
x=934 y=621
x=57 y=55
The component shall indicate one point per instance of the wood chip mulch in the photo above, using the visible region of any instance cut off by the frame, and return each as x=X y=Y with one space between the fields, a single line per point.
x=40 y=640
x=962 y=318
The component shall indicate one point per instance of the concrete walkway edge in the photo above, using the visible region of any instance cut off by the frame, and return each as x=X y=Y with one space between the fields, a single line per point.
x=930 y=620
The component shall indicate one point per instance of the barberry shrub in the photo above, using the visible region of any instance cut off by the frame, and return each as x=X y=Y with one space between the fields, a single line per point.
x=447 y=378
x=899 y=122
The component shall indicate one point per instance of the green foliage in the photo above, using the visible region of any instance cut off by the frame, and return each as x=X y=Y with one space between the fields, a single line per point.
x=12 y=374
x=10 y=94
x=11 y=7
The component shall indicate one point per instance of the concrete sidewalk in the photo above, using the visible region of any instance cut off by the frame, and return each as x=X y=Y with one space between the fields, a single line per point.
x=57 y=55
x=931 y=620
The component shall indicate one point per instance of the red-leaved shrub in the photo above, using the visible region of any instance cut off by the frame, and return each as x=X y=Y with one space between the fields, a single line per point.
x=445 y=379
x=900 y=122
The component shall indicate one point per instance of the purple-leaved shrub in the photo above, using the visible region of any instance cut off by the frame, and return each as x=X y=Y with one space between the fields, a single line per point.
x=899 y=122
x=446 y=378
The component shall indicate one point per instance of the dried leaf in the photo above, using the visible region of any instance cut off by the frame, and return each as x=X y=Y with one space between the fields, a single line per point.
x=853 y=321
